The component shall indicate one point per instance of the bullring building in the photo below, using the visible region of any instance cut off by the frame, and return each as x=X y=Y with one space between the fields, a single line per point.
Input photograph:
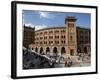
x=60 y=40
x=57 y=40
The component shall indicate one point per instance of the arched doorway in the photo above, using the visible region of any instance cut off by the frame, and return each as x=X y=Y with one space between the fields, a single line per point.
x=36 y=49
x=63 y=50
x=55 y=50
x=47 y=50
x=41 y=50
x=85 y=49
x=32 y=48
x=72 y=52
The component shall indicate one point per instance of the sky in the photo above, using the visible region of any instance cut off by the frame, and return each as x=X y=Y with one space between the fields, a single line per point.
x=43 y=19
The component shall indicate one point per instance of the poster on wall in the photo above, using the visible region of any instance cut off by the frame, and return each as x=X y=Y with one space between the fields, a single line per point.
x=53 y=39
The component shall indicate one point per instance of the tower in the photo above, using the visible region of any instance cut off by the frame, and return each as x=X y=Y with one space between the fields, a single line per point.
x=71 y=35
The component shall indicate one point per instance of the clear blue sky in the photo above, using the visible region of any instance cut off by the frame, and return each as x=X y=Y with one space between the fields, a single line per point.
x=42 y=19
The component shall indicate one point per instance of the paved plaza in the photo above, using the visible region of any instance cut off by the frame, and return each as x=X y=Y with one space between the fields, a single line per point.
x=33 y=60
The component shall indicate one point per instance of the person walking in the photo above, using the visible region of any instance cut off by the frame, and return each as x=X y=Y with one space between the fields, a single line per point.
x=68 y=62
